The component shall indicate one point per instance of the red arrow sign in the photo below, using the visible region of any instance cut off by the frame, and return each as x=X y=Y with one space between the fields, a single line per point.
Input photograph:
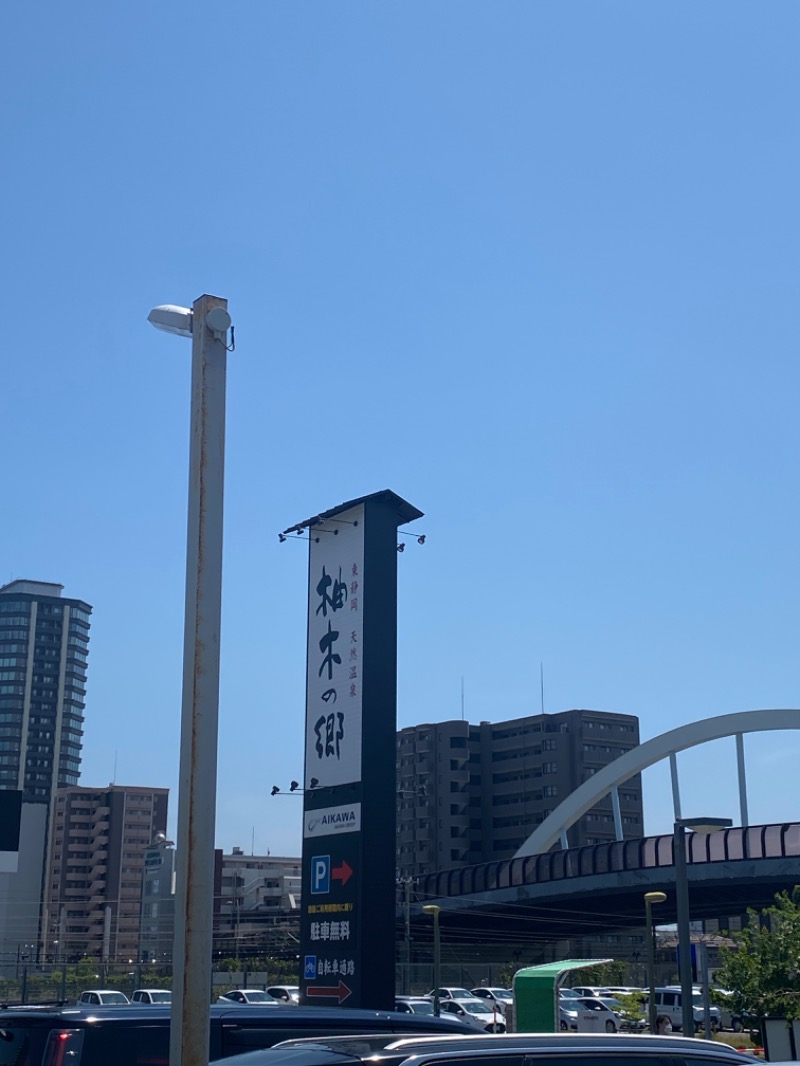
x=340 y=992
x=342 y=873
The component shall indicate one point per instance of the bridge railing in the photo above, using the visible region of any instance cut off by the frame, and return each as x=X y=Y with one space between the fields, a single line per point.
x=753 y=842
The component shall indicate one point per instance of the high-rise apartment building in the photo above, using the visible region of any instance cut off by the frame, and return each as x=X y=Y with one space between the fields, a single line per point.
x=44 y=648
x=99 y=841
x=474 y=793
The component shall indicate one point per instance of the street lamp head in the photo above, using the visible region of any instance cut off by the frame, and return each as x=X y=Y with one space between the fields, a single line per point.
x=432 y=908
x=172 y=319
x=655 y=897
x=703 y=825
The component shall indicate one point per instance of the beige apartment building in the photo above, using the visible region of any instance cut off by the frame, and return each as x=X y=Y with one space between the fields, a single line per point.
x=99 y=839
x=473 y=793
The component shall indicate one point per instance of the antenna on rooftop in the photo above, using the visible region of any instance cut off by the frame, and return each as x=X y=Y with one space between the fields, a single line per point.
x=541 y=682
x=462 y=697
x=114 y=778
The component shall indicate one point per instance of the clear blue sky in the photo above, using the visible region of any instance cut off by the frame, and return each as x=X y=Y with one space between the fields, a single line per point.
x=534 y=266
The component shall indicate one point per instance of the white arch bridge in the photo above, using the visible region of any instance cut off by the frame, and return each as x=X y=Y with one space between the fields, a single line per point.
x=582 y=888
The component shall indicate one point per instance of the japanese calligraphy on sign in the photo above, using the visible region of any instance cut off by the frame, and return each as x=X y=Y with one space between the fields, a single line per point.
x=335 y=631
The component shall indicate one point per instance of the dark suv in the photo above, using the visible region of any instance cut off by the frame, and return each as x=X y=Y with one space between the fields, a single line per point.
x=139 y=1035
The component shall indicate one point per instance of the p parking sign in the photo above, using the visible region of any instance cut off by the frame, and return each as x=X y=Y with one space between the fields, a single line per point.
x=320 y=875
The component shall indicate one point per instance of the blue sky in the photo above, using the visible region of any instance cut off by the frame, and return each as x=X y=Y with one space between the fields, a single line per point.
x=533 y=266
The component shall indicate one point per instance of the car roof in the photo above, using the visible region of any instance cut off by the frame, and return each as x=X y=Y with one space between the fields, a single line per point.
x=79 y=1016
x=481 y=1004
x=414 y=1050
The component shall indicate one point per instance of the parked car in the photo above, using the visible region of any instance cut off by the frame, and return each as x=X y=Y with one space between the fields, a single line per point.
x=568 y=993
x=728 y=1019
x=511 y=1049
x=475 y=1012
x=130 y=1036
x=591 y=990
x=501 y=997
x=669 y=1001
x=567 y=1015
x=151 y=995
x=102 y=997
x=612 y=1020
x=285 y=993
x=414 y=1004
x=248 y=995
x=452 y=993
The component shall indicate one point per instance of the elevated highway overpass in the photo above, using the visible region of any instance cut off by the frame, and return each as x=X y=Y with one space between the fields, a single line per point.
x=600 y=888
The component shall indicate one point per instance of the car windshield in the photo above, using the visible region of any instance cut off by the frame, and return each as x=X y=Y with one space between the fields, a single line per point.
x=569 y=993
x=257 y=997
x=460 y=993
x=160 y=997
x=475 y=1007
x=114 y=997
x=421 y=1006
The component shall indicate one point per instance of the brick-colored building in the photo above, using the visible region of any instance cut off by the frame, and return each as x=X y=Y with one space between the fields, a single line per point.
x=99 y=838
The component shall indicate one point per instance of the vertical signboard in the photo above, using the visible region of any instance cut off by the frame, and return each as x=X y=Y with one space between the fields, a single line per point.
x=347 y=924
x=335 y=643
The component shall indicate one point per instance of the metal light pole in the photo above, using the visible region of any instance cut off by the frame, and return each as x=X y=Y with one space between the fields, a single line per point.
x=207 y=324
x=697 y=825
x=649 y=899
x=236 y=903
x=433 y=908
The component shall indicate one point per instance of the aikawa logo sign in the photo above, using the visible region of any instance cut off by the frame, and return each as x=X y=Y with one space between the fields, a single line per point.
x=330 y=820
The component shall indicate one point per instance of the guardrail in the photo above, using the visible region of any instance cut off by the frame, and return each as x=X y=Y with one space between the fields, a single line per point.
x=727 y=845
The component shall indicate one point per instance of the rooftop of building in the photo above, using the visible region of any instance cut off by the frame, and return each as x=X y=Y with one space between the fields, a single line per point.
x=24 y=586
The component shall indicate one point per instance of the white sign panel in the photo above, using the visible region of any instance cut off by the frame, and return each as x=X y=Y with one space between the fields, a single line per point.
x=330 y=820
x=335 y=648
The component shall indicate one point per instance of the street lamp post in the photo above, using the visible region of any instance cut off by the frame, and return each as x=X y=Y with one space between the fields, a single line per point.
x=207 y=323
x=697 y=825
x=237 y=904
x=433 y=908
x=649 y=899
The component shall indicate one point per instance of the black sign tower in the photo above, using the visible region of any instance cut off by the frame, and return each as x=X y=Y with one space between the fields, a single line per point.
x=347 y=925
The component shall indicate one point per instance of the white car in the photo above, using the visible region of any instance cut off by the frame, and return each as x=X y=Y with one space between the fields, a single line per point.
x=452 y=993
x=500 y=997
x=592 y=990
x=611 y=1011
x=567 y=1015
x=102 y=997
x=151 y=995
x=476 y=1013
x=248 y=995
x=286 y=994
x=612 y=1021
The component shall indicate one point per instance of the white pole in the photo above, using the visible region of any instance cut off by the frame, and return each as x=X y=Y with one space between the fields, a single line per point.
x=742 y=780
x=189 y=1036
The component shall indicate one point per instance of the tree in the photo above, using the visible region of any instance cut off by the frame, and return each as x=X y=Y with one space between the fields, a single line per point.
x=604 y=973
x=762 y=973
